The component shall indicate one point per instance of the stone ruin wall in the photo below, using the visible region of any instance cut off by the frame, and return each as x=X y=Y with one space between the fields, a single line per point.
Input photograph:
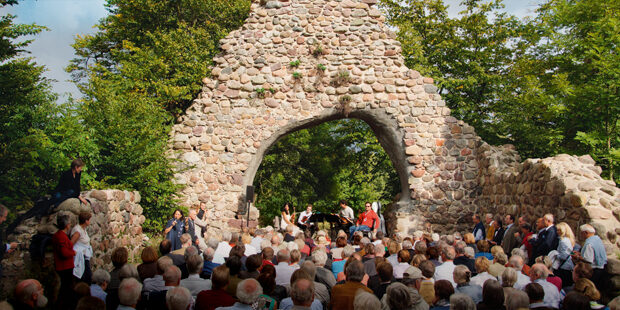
x=116 y=221
x=447 y=172
x=224 y=135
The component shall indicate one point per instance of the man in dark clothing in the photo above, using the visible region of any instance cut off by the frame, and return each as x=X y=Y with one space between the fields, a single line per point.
x=385 y=278
x=9 y=247
x=462 y=259
x=547 y=239
x=216 y=296
x=69 y=184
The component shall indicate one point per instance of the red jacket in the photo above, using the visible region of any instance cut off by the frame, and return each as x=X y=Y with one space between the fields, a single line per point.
x=63 y=251
x=366 y=218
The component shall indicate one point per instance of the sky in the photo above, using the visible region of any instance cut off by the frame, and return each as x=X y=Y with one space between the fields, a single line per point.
x=68 y=18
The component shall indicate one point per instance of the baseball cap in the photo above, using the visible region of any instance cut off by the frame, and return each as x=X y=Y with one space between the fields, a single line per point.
x=412 y=273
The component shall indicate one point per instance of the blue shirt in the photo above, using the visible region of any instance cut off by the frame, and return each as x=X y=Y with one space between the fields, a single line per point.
x=287 y=303
x=97 y=291
x=338 y=267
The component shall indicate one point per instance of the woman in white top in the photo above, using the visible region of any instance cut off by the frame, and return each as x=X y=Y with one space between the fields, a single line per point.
x=286 y=217
x=81 y=245
x=565 y=247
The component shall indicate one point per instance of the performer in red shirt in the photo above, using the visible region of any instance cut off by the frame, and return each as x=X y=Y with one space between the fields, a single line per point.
x=365 y=221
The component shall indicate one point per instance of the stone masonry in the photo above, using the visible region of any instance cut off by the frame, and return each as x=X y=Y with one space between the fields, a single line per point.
x=298 y=63
x=116 y=221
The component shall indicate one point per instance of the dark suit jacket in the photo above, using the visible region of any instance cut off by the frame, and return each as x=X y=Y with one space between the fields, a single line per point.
x=546 y=242
x=510 y=241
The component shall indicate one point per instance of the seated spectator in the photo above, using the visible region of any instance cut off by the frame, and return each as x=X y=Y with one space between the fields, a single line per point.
x=482 y=267
x=119 y=259
x=248 y=292
x=100 y=279
x=499 y=264
x=461 y=258
x=492 y=296
x=443 y=290
x=267 y=254
x=223 y=248
x=157 y=300
x=551 y=278
x=366 y=301
x=233 y=262
x=576 y=301
x=323 y=275
x=344 y=294
x=165 y=247
x=369 y=259
x=338 y=265
x=148 y=268
x=399 y=296
x=252 y=263
x=287 y=303
x=178 y=298
x=470 y=241
x=462 y=277
x=517 y=300
x=80 y=290
x=483 y=250
x=194 y=283
x=267 y=280
x=508 y=280
x=516 y=262
x=29 y=295
x=295 y=257
x=433 y=255
x=536 y=294
x=427 y=285
x=302 y=294
x=208 y=265
x=417 y=259
x=128 y=271
x=386 y=275
x=341 y=242
x=321 y=293
x=403 y=263
x=246 y=240
x=156 y=283
x=588 y=288
x=445 y=270
x=217 y=295
x=129 y=294
x=393 y=248
x=461 y=302
x=90 y=303
x=552 y=297
x=582 y=270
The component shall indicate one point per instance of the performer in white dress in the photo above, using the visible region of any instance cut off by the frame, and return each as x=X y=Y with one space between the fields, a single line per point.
x=286 y=218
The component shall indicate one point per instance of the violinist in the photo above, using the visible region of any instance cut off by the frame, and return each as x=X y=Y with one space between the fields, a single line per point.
x=304 y=217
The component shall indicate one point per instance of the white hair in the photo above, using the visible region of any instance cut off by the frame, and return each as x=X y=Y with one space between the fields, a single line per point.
x=469 y=252
x=248 y=291
x=319 y=258
x=226 y=236
x=292 y=246
x=265 y=244
x=129 y=292
x=587 y=228
x=407 y=245
x=517 y=300
x=347 y=251
x=128 y=271
x=418 y=234
x=208 y=254
x=100 y=276
x=178 y=298
x=212 y=243
x=548 y=217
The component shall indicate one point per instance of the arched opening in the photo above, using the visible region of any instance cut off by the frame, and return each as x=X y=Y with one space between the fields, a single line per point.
x=384 y=130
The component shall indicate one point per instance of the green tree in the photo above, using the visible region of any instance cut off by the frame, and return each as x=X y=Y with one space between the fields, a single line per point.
x=139 y=72
x=323 y=164
x=38 y=138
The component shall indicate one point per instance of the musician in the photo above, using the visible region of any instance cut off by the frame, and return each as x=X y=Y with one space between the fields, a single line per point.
x=304 y=217
x=365 y=221
x=346 y=211
x=286 y=218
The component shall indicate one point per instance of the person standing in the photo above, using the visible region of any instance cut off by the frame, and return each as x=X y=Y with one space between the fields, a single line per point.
x=174 y=229
x=9 y=247
x=82 y=248
x=63 y=260
x=547 y=239
x=593 y=252
x=199 y=226
x=367 y=221
x=69 y=184
x=510 y=241
x=478 y=231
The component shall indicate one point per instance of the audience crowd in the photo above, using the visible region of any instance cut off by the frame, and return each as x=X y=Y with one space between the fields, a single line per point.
x=502 y=263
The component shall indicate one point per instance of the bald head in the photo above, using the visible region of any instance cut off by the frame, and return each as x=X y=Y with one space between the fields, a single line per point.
x=302 y=292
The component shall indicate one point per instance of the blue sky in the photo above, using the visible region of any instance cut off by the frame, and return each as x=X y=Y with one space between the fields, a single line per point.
x=68 y=18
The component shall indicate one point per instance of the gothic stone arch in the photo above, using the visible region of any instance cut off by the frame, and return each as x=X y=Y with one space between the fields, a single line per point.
x=447 y=173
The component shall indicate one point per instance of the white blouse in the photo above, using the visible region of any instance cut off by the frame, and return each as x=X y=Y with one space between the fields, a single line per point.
x=84 y=238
